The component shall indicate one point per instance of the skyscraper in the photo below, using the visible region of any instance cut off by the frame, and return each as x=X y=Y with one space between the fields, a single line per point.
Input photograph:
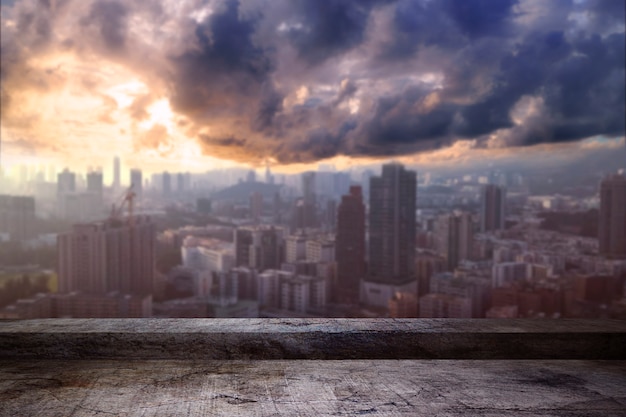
x=136 y=180
x=66 y=182
x=392 y=225
x=167 y=183
x=180 y=182
x=492 y=208
x=94 y=182
x=269 y=178
x=256 y=205
x=330 y=215
x=309 y=200
x=17 y=217
x=116 y=173
x=454 y=235
x=93 y=203
x=350 y=245
x=612 y=225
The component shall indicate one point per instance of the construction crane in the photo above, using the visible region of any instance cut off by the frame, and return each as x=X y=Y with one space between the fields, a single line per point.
x=116 y=208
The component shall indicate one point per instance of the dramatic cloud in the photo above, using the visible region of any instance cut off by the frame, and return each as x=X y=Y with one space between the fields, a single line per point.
x=299 y=81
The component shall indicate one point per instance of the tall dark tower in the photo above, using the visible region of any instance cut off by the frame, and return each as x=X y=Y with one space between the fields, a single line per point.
x=492 y=208
x=392 y=225
x=454 y=235
x=612 y=226
x=309 y=206
x=350 y=246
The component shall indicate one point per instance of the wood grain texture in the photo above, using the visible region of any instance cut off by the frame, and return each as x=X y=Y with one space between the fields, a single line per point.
x=336 y=339
x=312 y=388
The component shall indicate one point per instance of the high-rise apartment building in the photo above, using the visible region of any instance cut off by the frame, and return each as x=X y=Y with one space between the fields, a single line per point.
x=136 y=181
x=94 y=183
x=612 y=225
x=17 y=217
x=269 y=178
x=308 y=186
x=259 y=247
x=392 y=225
x=492 y=208
x=350 y=245
x=167 y=183
x=116 y=173
x=295 y=248
x=282 y=290
x=330 y=215
x=309 y=200
x=320 y=249
x=427 y=264
x=454 y=236
x=256 y=205
x=436 y=305
x=101 y=257
x=207 y=254
x=180 y=182
x=66 y=182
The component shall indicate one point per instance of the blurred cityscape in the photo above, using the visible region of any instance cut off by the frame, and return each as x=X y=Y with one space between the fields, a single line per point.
x=377 y=241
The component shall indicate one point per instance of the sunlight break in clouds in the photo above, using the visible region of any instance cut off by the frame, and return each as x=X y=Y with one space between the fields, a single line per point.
x=198 y=82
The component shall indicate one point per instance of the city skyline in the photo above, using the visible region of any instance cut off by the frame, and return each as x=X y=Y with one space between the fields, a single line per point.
x=398 y=247
x=430 y=83
x=383 y=158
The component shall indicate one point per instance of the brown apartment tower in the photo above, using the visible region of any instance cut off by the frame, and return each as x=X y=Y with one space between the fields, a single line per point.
x=612 y=225
x=350 y=246
x=109 y=256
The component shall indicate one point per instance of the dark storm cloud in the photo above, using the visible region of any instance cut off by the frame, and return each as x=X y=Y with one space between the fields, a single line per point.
x=586 y=91
x=580 y=81
x=416 y=24
x=224 y=146
x=317 y=143
x=448 y=24
x=398 y=120
x=581 y=84
x=522 y=71
x=226 y=66
x=270 y=103
x=109 y=17
x=606 y=12
x=322 y=29
x=309 y=79
x=476 y=18
x=348 y=89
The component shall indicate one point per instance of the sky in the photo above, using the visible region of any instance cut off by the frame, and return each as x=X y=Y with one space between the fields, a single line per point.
x=200 y=84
